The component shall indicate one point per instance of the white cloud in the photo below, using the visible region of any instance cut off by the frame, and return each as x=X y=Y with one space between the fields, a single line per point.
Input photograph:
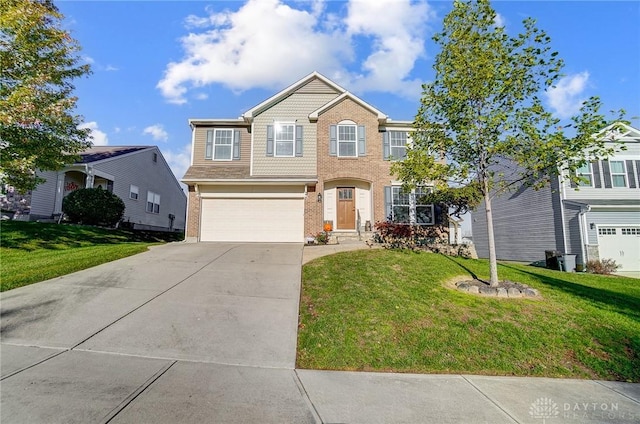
x=500 y=20
x=99 y=138
x=179 y=161
x=566 y=97
x=111 y=68
x=397 y=42
x=269 y=44
x=157 y=132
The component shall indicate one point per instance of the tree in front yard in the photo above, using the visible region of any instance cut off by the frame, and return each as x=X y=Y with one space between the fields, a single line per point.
x=483 y=113
x=93 y=206
x=38 y=61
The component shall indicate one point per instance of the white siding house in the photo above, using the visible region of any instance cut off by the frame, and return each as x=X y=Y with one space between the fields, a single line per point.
x=598 y=219
x=139 y=175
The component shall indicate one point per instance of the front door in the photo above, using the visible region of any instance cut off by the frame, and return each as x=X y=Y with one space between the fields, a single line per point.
x=346 y=208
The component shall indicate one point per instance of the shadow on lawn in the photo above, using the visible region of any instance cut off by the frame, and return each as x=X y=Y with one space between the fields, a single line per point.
x=34 y=235
x=622 y=303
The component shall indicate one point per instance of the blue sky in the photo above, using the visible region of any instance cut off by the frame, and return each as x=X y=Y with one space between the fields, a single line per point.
x=157 y=64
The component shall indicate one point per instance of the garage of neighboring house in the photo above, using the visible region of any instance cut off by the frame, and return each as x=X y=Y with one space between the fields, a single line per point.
x=252 y=214
x=620 y=243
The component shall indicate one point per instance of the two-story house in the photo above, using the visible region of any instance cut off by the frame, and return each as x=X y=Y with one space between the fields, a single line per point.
x=312 y=153
x=598 y=219
x=139 y=175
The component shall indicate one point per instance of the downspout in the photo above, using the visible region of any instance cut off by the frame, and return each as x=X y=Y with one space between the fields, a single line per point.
x=584 y=236
x=563 y=196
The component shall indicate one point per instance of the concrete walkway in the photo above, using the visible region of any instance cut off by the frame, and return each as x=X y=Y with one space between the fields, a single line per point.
x=194 y=333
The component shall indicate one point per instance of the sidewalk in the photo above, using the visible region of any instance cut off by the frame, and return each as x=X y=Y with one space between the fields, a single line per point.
x=311 y=252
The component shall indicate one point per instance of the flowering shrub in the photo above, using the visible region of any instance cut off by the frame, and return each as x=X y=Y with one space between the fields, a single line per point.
x=603 y=266
x=322 y=237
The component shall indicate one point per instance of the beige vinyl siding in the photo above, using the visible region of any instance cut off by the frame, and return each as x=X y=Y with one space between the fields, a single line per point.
x=316 y=86
x=295 y=108
x=200 y=144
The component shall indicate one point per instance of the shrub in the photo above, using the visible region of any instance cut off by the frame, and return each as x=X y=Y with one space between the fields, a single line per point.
x=322 y=237
x=405 y=236
x=603 y=266
x=93 y=206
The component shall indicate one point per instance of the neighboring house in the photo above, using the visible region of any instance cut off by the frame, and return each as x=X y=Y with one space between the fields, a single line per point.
x=312 y=153
x=139 y=175
x=597 y=220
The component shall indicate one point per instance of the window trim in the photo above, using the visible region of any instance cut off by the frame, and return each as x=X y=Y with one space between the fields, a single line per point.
x=392 y=147
x=154 y=202
x=132 y=191
x=280 y=125
x=622 y=174
x=412 y=205
x=340 y=141
x=214 y=144
x=588 y=174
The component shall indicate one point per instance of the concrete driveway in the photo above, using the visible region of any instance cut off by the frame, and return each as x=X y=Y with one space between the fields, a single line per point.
x=211 y=326
x=206 y=333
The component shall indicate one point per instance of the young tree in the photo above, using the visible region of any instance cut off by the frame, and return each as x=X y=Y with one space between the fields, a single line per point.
x=38 y=61
x=483 y=113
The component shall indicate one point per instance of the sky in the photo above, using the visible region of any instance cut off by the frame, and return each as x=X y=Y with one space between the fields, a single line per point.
x=157 y=64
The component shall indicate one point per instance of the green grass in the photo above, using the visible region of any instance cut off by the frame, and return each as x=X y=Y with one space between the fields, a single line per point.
x=381 y=310
x=31 y=252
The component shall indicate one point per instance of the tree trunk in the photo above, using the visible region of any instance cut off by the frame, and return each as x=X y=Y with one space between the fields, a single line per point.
x=493 y=263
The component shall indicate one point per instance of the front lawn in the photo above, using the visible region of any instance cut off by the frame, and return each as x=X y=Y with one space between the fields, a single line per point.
x=31 y=252
x=382 y=310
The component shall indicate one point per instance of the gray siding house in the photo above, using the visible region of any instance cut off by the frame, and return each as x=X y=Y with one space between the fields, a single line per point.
x=139 y=175
x=598 y=219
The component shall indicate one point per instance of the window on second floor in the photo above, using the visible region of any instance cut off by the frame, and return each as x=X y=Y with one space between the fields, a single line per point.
x=133 y=192
x=398 y=144
x=284 y=139
x=586 y=174
x=347 y=139
x=618 y=173
x=222 y=144
x=153 y=202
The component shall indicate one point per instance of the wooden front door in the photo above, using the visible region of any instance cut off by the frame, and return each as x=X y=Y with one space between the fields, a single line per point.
x=346 y=208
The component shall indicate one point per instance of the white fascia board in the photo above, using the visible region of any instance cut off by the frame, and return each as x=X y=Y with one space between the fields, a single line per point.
x=256 y=181
x=313 y=116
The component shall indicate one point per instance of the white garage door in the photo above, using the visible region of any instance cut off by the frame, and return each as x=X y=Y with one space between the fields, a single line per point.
x=252 y=220
x=622 y=244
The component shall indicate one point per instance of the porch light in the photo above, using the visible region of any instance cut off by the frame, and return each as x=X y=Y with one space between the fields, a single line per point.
x=319 y=197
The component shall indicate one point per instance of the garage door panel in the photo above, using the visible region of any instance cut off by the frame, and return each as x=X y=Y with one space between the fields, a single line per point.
x=622 y=244
x=252 y=220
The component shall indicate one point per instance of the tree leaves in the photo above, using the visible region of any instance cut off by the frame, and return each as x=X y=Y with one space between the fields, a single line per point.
x=483 y=111
x=38 y=129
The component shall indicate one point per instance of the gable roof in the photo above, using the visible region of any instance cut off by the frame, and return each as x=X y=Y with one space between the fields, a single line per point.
x=620 y=132
x=98 y=153
x=251 y=113
x=313 y=116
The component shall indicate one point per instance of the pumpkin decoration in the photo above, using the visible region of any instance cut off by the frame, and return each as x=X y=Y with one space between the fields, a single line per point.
x=328 y=226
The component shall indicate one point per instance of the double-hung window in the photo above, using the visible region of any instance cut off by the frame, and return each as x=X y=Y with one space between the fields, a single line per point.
x=398 y=144
x=347 y=139
x=284 y=139
x=222 y=144
x=618 y=173
x=153 y=202
x=133 y=192
x=410 y=208
x=586 y=174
